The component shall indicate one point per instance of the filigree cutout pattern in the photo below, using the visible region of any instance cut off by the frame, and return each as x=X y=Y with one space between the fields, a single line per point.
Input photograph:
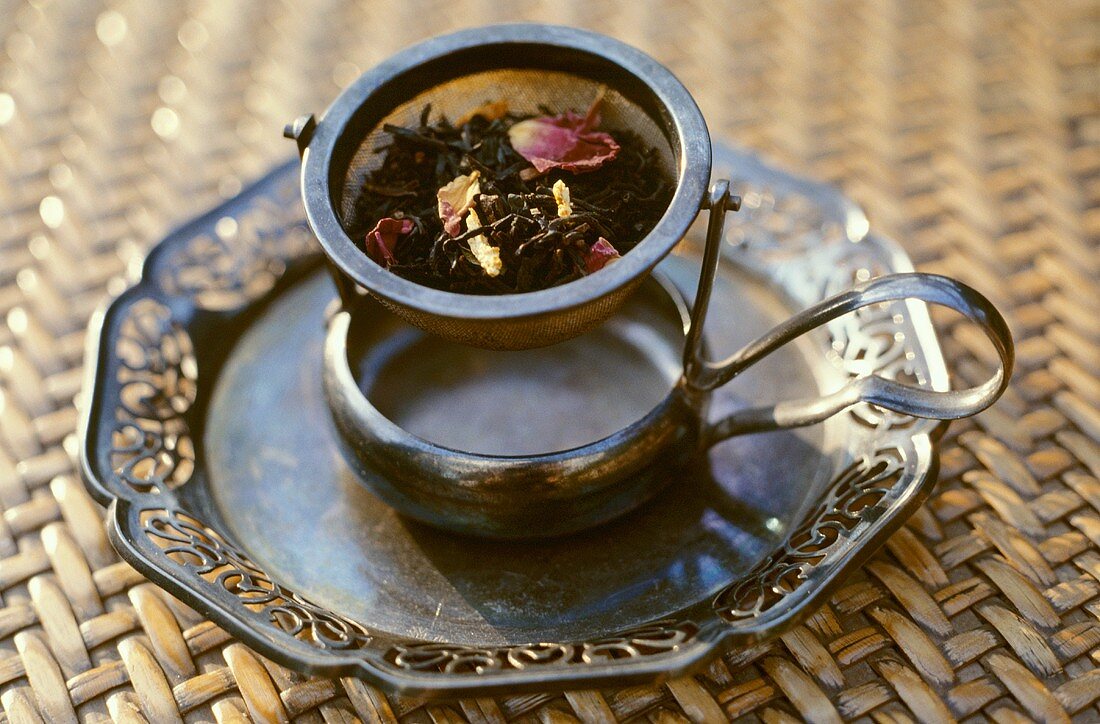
x=770 y=234
x=776 y=222
x=653 y=639
x=228 y=263
x=152 y=452
x=847 y=502
x=873 y=340
x=186 y=541
x=243 y=256
x=151 y=447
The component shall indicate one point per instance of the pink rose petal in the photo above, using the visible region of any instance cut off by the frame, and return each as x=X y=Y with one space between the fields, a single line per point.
x=599 y=255
x=568 y=141
x=382 y=239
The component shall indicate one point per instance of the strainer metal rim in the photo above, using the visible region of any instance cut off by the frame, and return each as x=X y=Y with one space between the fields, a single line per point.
x=693 y=176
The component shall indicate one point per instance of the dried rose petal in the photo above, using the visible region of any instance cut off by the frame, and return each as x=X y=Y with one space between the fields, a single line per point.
x=487 y=255
x=489 y=111
x=382 y=239
x=599 y=255
x=455 y=200
x=568 y=141
x=561 y=197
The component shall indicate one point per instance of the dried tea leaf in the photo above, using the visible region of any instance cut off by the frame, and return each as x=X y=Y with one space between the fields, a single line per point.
x=600 y=255
x=382 y=239
x=561 y=197
x=455 y=199
x=518 y=216
x=487 y=255
x=568 y=141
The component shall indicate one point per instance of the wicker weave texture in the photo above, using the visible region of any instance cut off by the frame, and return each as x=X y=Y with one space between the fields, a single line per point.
x=969 y=129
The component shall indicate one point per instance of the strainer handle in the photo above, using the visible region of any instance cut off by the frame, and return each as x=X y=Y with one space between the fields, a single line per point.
x=702 y=375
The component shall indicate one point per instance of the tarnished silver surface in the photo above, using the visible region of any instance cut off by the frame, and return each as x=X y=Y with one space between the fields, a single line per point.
x=564 y=488
x=253 y=520
x=531 y=65
x=403 y=577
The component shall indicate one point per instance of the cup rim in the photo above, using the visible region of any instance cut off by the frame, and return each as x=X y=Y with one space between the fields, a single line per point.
x=348 y=258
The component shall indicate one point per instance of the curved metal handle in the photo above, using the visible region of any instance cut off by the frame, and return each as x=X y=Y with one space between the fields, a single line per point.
x=702 y=375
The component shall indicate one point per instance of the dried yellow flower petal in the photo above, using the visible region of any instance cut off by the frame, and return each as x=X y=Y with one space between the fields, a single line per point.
x=561 y=196
x=455 y=199
x=487 y=255
x=489 y=111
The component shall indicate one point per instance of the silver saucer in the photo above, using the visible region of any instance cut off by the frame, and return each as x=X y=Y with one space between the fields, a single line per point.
x=207 y=436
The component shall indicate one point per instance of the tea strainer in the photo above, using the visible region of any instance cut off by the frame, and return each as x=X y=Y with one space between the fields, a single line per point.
x=528 y=66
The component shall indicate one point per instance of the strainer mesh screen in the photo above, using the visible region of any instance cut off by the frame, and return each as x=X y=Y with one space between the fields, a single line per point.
x=524 y=91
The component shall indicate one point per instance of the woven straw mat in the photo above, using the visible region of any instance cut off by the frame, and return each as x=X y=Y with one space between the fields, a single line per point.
x=970 y=131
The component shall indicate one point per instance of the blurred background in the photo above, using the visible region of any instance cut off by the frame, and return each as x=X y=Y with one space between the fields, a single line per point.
x=955 y=122
x=968 y=129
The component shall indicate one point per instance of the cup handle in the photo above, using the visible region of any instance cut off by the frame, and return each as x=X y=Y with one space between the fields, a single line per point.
x=702 y=375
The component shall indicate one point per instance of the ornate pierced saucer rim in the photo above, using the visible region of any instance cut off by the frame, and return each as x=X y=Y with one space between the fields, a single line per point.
x=215 y=576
